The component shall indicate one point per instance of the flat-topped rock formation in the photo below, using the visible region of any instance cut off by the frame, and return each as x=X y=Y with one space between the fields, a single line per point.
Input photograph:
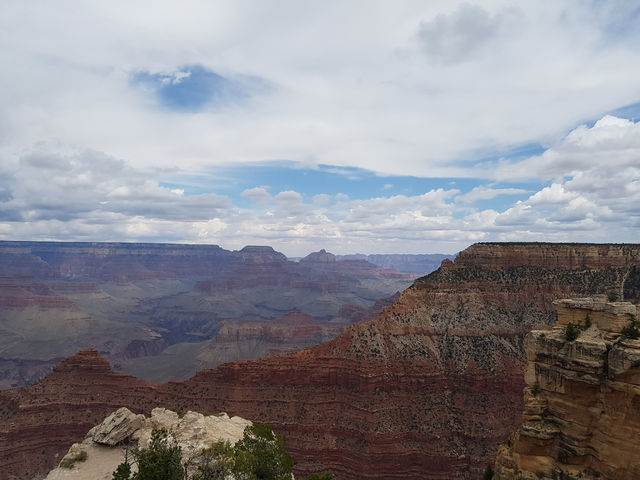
x=582 y=401
x=427 y=390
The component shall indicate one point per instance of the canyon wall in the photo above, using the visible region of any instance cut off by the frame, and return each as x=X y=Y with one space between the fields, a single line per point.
x=582 y=401
x=427 y=390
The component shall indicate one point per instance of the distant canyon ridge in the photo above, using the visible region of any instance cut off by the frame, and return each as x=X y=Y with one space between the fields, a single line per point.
x=163 y=311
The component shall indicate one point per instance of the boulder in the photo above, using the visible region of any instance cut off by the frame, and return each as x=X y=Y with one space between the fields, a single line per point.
x=117 y=427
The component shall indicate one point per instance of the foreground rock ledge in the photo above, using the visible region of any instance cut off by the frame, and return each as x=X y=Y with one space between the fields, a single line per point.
x=193 y=432
x=582 y=400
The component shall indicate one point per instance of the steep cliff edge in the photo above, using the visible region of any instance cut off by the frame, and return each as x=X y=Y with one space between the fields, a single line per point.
x=427 y=390
x=582 y=401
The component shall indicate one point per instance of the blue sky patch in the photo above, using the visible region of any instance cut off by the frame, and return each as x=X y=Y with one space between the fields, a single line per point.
x=630 y=112
x=191 y=88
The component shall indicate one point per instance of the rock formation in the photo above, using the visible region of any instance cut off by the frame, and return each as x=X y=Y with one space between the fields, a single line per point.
x=192 y=432
x=427 y=390
x=582 y=401
x=251 y=340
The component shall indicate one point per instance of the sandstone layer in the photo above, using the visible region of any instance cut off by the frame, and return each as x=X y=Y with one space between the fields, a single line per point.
x=582 y=401
x=427 y=390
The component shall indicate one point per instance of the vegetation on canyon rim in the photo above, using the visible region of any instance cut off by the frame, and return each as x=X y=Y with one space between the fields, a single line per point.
x=259 y=455
x=573 y=331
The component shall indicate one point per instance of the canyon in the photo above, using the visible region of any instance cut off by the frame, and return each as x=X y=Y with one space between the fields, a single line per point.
x=145 y=305
x=428 y=389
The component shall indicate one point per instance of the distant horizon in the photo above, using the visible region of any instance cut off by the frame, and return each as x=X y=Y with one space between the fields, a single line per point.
x=298 y=256
x=97 y=242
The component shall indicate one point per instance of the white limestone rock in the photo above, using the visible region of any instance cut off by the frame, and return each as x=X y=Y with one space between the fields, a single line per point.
x=117 y=427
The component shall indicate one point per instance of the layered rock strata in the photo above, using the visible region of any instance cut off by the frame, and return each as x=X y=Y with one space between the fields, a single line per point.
x=427 y=390
x=582 y=401
x=135 y=301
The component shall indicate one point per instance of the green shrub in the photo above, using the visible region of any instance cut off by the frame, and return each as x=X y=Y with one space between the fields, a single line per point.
x=216 y=462
x=571 y=332
x=320 y=476
x=632 y=331
x=123 y=472
x=69 y=462
x=259 y=455
x=162 y=460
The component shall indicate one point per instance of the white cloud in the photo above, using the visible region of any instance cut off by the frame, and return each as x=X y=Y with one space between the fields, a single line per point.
x=288 y=196
x=322 y=199
x=257 y=194
x=365 y=96
x=487 y=193
x=455 y=37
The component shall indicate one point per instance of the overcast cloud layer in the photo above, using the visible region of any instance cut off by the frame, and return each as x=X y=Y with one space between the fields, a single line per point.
x=374 y=127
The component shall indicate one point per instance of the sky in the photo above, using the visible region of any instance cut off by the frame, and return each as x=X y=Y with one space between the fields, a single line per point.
x=355 y=126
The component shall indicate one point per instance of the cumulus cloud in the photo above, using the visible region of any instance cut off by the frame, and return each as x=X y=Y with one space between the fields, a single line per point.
x=487 y=193
x=257 y=194
x=322 y=199
x=90 y=184
x=595 y=174
x=289 y=196
x=610 y=144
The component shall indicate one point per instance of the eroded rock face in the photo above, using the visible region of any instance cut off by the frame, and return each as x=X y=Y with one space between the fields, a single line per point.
x=582 y=400
x=192 y=432
x=427 y=390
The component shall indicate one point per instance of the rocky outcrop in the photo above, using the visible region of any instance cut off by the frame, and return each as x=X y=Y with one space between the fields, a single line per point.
x=582 y=401
x=191 y=432
x=427 y=390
